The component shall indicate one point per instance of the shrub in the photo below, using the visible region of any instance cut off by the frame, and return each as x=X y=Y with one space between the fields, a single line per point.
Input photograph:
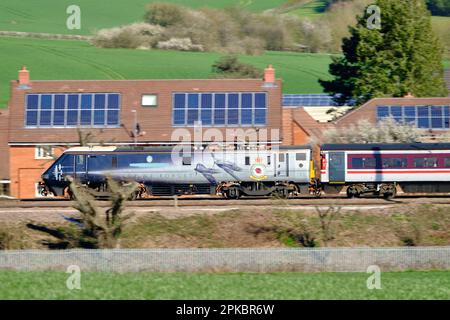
x=386 y=131
x=130 y=36
x=230 y=66
x=164 y=14
x=181 y=44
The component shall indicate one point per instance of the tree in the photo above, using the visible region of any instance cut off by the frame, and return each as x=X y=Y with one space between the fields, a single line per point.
x=94 y=227
x=439 y=7
x=402 y=56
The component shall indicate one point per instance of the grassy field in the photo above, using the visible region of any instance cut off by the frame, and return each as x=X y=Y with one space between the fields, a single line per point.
x=50 y=16
x=397 y=285
x=53 y=59
x=310 y=9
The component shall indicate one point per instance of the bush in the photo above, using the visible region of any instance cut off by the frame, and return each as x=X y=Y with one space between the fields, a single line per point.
x=133 y=36
x=387 y=131
x=184 y=44
x=231 y=67
x=164 y=14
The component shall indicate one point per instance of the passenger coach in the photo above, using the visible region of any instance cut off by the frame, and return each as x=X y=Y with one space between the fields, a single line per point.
x=385 y=169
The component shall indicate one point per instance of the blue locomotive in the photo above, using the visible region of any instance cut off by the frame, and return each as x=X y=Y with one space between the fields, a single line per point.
x=284 y=172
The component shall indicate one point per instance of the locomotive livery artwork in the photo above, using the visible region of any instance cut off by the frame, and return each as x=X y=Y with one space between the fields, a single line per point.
x=378 y=169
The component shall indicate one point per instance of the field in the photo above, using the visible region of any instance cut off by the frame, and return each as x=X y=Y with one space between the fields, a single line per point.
x=192 y=286
x=50 y=16
x=59 y=59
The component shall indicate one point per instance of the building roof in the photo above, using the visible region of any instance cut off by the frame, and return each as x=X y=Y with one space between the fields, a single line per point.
x=364 y=112
x=309 y=100
x=313 y=128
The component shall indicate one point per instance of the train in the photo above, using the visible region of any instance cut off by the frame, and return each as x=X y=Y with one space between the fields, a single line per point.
x=286 y=171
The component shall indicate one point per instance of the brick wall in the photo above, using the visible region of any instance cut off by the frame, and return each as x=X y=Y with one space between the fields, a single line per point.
x=25 y=170
x=4 y=148
x=287 y=126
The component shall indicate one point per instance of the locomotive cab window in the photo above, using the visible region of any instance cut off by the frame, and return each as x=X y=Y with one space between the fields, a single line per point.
x=268 y=160
x=247 y=161
x=281 y=157
x=425 y=162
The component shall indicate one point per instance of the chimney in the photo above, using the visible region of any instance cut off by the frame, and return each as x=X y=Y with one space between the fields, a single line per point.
x=24 y=77
x=269 y=74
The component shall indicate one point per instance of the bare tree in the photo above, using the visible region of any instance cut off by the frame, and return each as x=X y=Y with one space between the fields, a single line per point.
x=95 y=227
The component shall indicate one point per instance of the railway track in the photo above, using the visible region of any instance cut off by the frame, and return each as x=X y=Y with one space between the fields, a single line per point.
x=211 y=202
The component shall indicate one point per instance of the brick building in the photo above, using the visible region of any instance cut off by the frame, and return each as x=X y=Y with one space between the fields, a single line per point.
x=45 y=117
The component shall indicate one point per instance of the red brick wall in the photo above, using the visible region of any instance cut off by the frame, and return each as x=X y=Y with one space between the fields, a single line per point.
x=25 y=170
x=4 y=149
x=300 y=136
x=287 y=126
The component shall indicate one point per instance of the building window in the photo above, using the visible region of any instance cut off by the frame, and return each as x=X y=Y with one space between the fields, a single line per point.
x=43 y=152
x=423 y=117
x=220 y=109
x=149 y=100
x=69 y=110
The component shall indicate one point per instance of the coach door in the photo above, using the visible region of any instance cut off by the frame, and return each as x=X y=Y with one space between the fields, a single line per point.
x=337 y=167
x=283 y=164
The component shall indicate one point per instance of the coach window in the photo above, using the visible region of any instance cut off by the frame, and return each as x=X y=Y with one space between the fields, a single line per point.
x=247 y=161
x=395 y=163
x=149 y=100
x=447 y=162
x=361 y=163
x=268 y=160
x=425 y=162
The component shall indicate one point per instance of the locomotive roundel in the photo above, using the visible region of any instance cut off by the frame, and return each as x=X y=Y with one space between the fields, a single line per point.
x=258 y=170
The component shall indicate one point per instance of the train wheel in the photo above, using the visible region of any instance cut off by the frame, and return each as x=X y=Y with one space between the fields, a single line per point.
x=233 y=193
x=352 y=193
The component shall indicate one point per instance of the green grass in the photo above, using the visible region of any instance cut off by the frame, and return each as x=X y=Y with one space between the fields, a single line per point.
x=397 y=285
x=311 y=9
x=50 y=16
x=57 y=59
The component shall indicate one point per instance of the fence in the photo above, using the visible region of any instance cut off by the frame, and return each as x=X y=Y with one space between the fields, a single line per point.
x=230 y=260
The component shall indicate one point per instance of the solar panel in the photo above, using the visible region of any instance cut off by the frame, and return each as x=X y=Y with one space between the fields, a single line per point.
x=219 y=108
x=309 y=100
x=63 y=109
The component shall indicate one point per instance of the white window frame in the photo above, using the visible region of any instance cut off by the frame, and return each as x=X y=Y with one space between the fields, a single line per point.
x=41 y=154
x=149 y=96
